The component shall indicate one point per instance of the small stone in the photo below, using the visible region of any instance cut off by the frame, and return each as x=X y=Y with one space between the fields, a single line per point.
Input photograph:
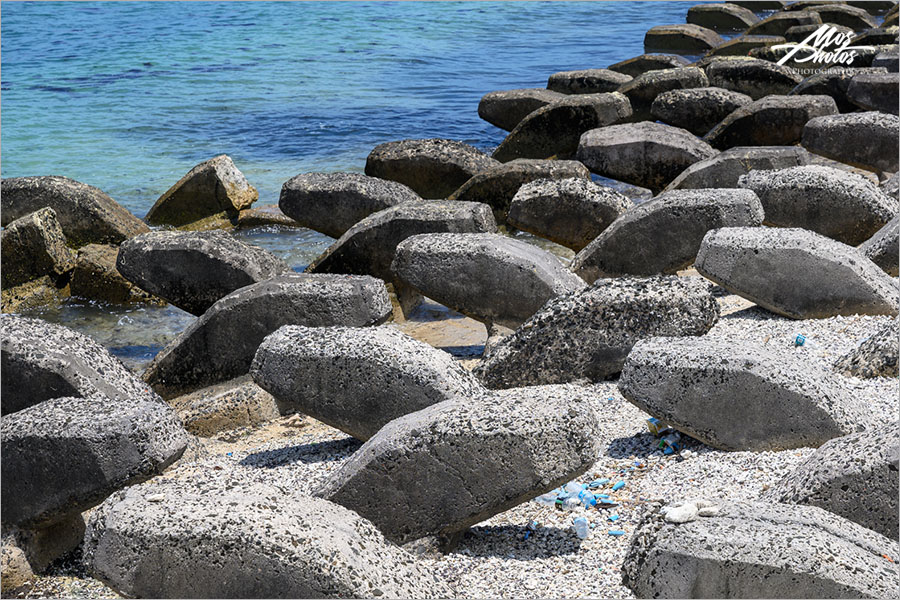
x=156 y=498
x=682 y=514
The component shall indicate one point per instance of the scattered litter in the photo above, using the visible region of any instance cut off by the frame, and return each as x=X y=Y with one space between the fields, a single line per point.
x=887 y=557
x=800 y=340
x=613 y=517
x=616 y=532
x=597 y=483
x=229 y=453
x=618 y=486
x=671 y=443
x=531 y=528
x=582 y=527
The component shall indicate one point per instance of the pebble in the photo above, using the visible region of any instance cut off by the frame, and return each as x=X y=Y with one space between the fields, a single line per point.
x=682 y=514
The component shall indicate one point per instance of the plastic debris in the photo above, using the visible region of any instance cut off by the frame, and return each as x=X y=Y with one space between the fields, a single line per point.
x=531 y=528
x=548 y=499
x=800 y=340
x=587 y=499
x=582 y=527
x=597 y=483
x=671 y=443
x=616 y=532
x=618 y=486
x=613 y=518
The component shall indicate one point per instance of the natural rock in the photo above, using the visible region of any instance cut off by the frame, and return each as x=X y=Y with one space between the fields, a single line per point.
x=368 y=247
x=65 y=455
x=752 y=76
x=95 y=277
x=834 y=83
x=433 y=168
x=588 y=334
x=194 y=269
x=40 y=292
x=681 y=37
x=721 y=17
x=220 y=345
x=738 y=396
x=443 y=469
x=649 y=62
x=15 y=573
x=867 y=140
x=837 y=204
x=230 y=405
x=876 y=356
x=41 y=360
x=264 y=216
x=796 y=273
x=487 y=276
x=226 y=536
x=213 y=186
x=507 y=108
x=771 y=121
x=34 y=246
x=85 y=213
x=760 y=550
x=854 y=476
x=357 y=379
x=664 y=234
x=643 y=89
x=554 y=129
x=646 y=154
x=882 y=248
x=570 y=212
x=497 y=186
x=875 y=91
x=332 y=203
x=723 y=170
x=685 y=513
x=780 y=22
x=742 y=45
x=699 y=109
x=587 y=81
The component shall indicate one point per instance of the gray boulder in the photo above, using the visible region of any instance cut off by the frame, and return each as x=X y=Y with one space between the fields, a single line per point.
x=227 y=536
x=85 y=213
x=368 y=247
x=875 y=91
x=780 y=22
x=771 y=121
x=796 y=273
x=212 y=187
x=193 y=269
x=752 y=76
x=570 y=212
x=554 y=129
x=876 y=356
x=34 y=246
x=742 y=45
x=588 y=334
x=664 y=234
x=230 y=405
x=357 y=379
x=721 y=17
x=452 y=465
x=681 y=37
x=41 y=360
x=646 y=154
x=891 y=186
x=487 y=276
x=95 y=277
x=699 y=109
x=723 y=170
x=739 y=396
x=644 y=89
x=65 y=455
x=883 y=248
x=840 y=205
x=220 y=345
x=433 y=168
x=760 y=550
x=854 y=476
x=497 y=186
x=332 y=203
x=866 y=140
x=507 y=108
x=587 y=81
x=834 y=83
x=649 y=62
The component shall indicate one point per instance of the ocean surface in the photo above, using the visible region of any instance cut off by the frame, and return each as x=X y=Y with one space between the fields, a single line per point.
x=129 y=96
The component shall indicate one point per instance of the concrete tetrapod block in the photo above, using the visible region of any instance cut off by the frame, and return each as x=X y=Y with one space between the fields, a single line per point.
x=876 y=356
x=867 y=140
x=760 y=550
x=487 y=276
x=738 y=397
x=882 y=248
x=506 y=108
x=357 y=379
x=725 y=169
x=452 y=465
x=220 y=345
x=796 y=273
x=34 y=246
x=588 y=334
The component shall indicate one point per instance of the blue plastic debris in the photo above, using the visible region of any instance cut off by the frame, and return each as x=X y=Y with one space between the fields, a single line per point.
x=800 y=339
x=619 y=485
x=598 y=482
x=531 y=528
x=229 y=453
x=614 y=517
x=616 y=532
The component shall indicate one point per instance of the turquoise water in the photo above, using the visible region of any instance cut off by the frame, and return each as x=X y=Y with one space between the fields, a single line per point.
x=129 y=96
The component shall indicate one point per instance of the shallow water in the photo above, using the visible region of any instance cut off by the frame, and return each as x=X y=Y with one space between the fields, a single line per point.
x=129 y=96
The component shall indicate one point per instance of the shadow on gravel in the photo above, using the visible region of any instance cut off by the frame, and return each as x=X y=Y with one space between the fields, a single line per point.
x=508 y=542
x=640 y=445
x=328 y=451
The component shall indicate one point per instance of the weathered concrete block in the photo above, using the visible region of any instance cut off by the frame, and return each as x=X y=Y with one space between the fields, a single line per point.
x=649 y=62
x=643 y=89
x=34 y=246
x=882 y=248
x=771 y=121
x=874 y=357
x=867 y=140
x=699 y=109
x=681 y=37
x=723 y=170
x=587 y=81
x=506 y=108
x=752 y=76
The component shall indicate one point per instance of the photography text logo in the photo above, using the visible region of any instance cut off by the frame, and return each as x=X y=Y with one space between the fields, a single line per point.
x=826 y=45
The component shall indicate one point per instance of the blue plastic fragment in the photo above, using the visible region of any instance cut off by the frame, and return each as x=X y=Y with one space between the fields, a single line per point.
x=800 y=339
x=598 y=482
x=614 y=517
x=619 y=485
x=616 y=532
